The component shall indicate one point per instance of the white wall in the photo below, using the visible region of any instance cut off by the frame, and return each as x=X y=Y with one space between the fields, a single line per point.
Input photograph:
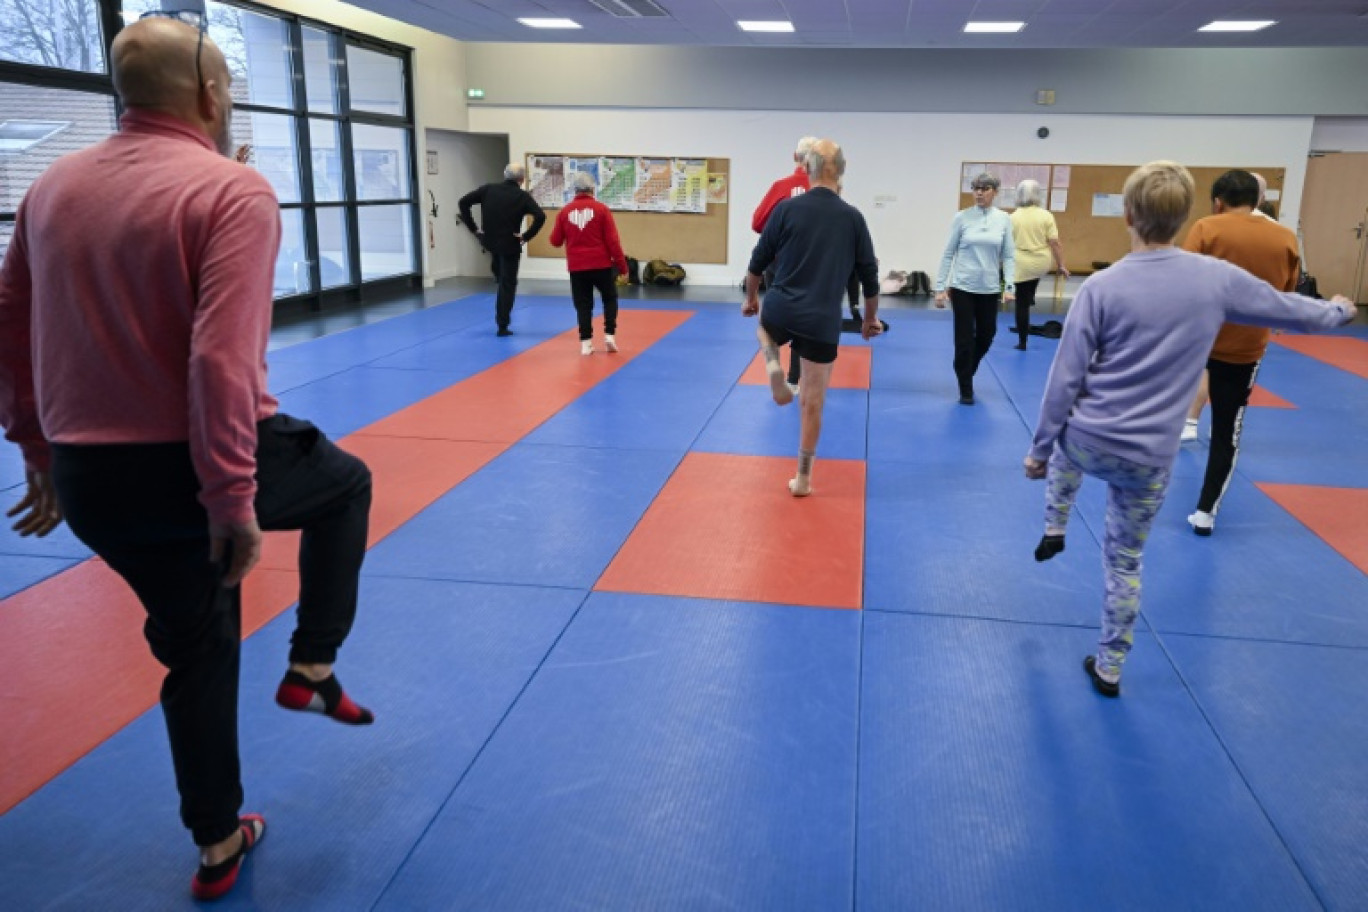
x=913 y=157
x=464 y=162
x=1340 y=134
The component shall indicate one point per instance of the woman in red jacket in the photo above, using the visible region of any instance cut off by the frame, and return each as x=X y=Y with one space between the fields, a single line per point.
x=594 y=254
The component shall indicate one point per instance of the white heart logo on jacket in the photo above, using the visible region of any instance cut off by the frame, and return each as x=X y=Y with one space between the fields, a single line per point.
x=581 y=217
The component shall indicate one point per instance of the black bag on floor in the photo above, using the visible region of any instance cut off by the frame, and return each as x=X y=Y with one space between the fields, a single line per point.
x=1306 y=285
x=1050 y=329
x=633 y=271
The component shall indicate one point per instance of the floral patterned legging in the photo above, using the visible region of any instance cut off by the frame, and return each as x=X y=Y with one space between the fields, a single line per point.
x=1134 y=494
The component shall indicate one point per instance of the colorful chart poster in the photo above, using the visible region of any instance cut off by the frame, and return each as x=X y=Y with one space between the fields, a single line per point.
x=617 y=183
x=546 y=180
x=575 y=166
x=717 y=188
x=653 y=185
x=689 y=185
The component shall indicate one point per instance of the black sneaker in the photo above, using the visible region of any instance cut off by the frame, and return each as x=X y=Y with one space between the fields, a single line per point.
x=966 y=399
x=1104 y=687
x=504 y=331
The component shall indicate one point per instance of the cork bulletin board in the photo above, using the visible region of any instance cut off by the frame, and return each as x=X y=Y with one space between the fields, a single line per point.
x=1091 y=230
x=670 y=236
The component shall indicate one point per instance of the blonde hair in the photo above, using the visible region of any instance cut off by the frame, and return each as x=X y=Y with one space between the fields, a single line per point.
x=1159 y=197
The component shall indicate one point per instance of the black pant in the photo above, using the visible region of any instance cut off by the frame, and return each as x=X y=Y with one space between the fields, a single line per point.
x=975 y=326
x=1230 y=386
x=582 y=285
x=505 y=269
x=136 y=506
x=1025 y=300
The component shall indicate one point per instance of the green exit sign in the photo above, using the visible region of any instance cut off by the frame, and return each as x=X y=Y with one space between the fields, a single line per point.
x=474 y=93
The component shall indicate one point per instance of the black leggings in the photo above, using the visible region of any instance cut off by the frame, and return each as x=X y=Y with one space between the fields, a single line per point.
x=975 y=326
x=1025 y=300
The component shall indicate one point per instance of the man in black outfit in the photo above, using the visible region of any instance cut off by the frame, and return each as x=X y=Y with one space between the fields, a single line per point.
x=815 y=241
x=503 y=207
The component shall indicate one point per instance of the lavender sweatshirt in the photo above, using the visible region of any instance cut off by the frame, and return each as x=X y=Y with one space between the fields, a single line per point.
x=1136 y=340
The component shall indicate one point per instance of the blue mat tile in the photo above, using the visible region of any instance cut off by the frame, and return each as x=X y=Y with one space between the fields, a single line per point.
x=965 y=546
x=1292 y=718
x=670 y=754
x=344 y=806
x=20 y=571
x=547 y=516
x=1262 y=575
x=932 y=429
x=749 y=423
x=627 y=414
x=993 y=777
x=349 y=401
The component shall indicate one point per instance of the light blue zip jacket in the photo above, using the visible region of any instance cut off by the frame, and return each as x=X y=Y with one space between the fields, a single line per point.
x=980 y=240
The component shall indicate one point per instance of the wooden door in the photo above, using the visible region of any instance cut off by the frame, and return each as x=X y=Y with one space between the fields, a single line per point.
x=1334 y=222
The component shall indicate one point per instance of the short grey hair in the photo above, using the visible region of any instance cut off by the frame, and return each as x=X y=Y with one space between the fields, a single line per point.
x=1028 y=193
x=515 y=171
x=985 y=179
x=803 y=148
x=584 y=182
x=815 y=163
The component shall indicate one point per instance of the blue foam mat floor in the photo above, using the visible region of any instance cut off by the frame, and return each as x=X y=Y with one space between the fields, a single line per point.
x=542 y=746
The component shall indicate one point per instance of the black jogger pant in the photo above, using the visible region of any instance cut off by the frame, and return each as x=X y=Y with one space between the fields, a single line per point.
x=1230 y=386
x=582 y=285
x=975 y=326
x=136 y=506
x=505 y=269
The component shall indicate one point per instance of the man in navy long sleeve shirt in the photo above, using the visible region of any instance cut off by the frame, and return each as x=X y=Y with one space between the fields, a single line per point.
x=815 y=242
x=503 y=207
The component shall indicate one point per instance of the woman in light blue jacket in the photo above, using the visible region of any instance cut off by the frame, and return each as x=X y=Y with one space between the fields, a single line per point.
x=977 y=269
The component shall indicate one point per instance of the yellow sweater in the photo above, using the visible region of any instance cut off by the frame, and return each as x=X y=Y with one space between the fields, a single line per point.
x=1033 y=228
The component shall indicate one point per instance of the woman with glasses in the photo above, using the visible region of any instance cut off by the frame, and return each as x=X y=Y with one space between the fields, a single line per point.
x=977 y=270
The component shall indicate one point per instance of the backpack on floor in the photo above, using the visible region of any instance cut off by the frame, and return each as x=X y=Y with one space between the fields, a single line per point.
x=633 y=271
x=1050 y=329
x=1306 y=285
x=659 y=272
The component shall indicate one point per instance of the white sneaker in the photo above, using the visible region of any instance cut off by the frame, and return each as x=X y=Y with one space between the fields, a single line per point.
x=1202 y=523
x=586 y=347
x=609 y=344
x=793 y=388
x=1189 y=432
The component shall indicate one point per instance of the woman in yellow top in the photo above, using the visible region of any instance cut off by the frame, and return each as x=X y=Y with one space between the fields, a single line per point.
x=1037 y=249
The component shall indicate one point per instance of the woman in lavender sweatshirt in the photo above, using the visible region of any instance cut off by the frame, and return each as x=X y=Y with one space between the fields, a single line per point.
x=1134 y=345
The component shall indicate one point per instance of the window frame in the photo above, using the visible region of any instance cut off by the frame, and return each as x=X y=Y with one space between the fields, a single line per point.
x=111 y=22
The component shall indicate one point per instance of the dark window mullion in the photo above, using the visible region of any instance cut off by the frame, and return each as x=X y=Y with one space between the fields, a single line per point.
x=304 y=151
x=339 y=47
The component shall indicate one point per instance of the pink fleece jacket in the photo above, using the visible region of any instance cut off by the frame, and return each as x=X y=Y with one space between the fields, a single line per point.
x=135 y=304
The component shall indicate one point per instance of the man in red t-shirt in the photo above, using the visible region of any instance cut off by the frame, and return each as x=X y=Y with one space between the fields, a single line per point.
x=796 y=184
x=593 y=253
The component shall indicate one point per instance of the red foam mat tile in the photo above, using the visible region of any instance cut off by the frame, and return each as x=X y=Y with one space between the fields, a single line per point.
x=725 y=527
x=850 y=372
x=1345 y=352
x=1334 y=514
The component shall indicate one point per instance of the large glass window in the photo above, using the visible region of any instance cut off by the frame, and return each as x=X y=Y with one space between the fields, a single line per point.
x=271 y=138
x=325 y=138
x=257 y=49
x=62 y=34
x=381 y=158
x=334 y=249
x=28 y=143
x=376 y=82
x=321 y=64
x=320 y=112
x=386 y=241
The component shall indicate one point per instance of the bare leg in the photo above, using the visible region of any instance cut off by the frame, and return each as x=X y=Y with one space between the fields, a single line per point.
x=1199 y=401
x=778 y=385
x=812 y=393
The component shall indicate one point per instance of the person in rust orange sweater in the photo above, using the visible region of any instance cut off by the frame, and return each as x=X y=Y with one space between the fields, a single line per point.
x=593 y=253
x=1239 y=235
